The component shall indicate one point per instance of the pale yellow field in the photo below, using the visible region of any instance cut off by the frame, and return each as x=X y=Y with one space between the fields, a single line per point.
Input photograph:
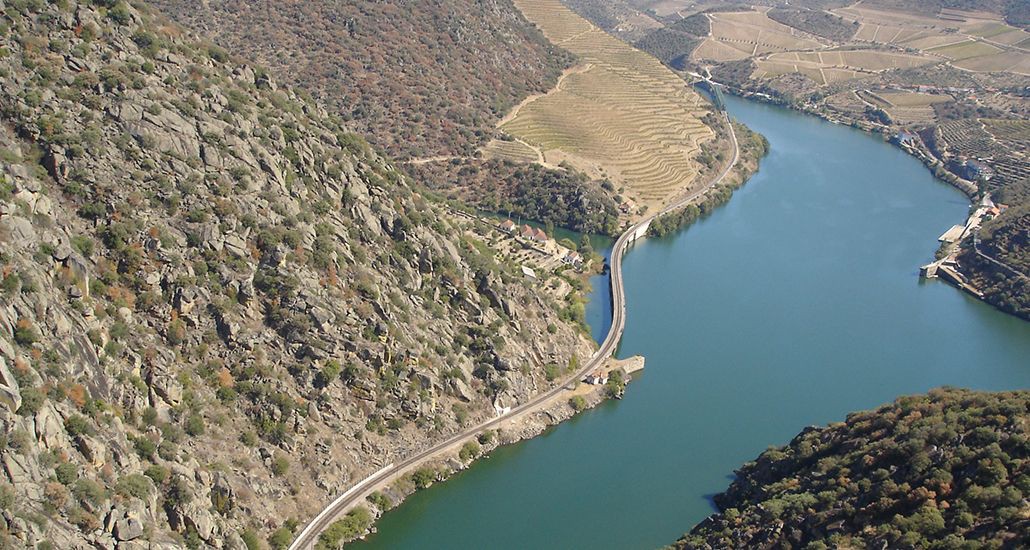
x=862 y=60
x=914 y=99
x=912 y=115
x=756 y=29
x=721 y=51
x=510 y=150
x=1014 y=62
x=966 y=50
x=624 y=115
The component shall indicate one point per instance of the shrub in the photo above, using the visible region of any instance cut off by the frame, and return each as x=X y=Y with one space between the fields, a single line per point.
x=578 y=403
x=423 y=477
x=156 y=473
x=250 y=539
x=10 y=283
x=149 y=416
x=84 y=245
x=89 y=491
x=77 y=424
x=24 y=333
x=249 y=438
x=83 y=519
x=134 y=485
x=31 y=401
x=144 y=446
x=280 y=539
x=280 y=465
x=66 y=473
x=469 y=451
x=119 y=13
x=331 y=371
x=380 y=500
x=353 y=525
x=195 y=425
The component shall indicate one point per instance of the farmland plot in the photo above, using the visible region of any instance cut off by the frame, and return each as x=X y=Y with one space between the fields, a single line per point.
x=625 y=116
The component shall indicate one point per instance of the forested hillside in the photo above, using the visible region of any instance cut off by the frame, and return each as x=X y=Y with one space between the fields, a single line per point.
x=218 y=305
x=419 y=78
x=940 y=471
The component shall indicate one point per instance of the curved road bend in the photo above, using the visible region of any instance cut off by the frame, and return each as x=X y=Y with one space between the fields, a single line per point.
x=309 y=536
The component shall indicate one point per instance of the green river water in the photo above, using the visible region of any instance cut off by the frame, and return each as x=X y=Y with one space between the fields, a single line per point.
x=794 y=304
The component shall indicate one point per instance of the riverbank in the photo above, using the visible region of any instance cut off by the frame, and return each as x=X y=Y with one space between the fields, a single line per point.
x=396 y=485
x=752 y=146
x=338 y=513
x=932 y=163
x=829 y=231
x=949 y=264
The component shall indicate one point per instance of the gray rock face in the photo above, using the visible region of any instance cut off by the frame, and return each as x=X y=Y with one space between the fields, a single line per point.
x=10 y=395
x=210 y=266
x=128 y=529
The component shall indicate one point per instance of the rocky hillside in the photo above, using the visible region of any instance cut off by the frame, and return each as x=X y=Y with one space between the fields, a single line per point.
x=1000 y=265
x=420 y=78
x=218 y=306
x=944 y=470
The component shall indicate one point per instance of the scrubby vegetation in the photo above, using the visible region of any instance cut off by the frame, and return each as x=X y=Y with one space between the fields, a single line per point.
x=939 y=471
x=1005 y=239
x=674 y=43
x=418 y=78
x=562 y=198
x=817 y=22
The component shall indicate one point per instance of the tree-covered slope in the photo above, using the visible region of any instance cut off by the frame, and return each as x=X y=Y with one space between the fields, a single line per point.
x=950 y=469
x=218 y=306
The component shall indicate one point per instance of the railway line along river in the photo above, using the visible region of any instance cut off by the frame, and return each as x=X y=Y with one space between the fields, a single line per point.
x=794 y=304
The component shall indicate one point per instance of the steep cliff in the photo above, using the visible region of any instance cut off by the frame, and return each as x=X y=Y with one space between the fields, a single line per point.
x=218 y=306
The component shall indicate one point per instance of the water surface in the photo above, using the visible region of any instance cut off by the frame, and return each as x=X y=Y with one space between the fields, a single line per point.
x=794 y=304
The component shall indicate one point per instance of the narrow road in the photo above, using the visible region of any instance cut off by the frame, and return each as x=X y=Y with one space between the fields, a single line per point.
x=309 y=536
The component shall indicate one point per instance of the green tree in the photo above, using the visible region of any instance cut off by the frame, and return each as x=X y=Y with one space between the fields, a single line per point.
x=469 y=451
x=353 y=525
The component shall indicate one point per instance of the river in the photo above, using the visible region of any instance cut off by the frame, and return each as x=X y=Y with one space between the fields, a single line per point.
x=794 y=304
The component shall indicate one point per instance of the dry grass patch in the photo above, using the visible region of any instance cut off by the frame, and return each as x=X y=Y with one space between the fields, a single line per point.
x=721 y=51
x=966 y=50
x=914 y=99
x=1013 y=62
x=756 y=29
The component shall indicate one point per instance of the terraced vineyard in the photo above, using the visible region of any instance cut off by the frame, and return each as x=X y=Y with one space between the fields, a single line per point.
x=1002 y=142
x=738 y=35
x=981 y=43
x=623 y=116
x=516 y=151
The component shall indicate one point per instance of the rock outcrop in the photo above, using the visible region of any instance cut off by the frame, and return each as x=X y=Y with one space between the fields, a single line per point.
x=219 y=307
